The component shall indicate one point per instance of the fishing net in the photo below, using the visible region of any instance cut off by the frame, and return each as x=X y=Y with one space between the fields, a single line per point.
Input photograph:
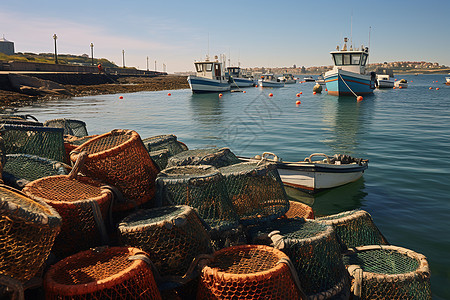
x=355 y=228
x=160 y=158
x=83 y=205
x=71 y=142
x=388 y=272
x=27 y=231
x=20 y=169
x=105 y=273
x=2 y=157
x=71 y=127
x=299 y=210
x=160 y=142
x=256 y=191
x=214 y=157
x=19 y=120
x=172 y=236
x=314 y=251
x=41 y=141
x=248 y=272
x=201 y=187
x=119 y=158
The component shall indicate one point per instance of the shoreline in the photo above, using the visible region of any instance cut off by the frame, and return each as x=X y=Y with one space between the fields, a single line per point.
x=124 y=85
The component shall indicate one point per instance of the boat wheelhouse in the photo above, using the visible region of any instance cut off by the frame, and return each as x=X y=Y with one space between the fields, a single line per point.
x=237 y=78
x=288 y=78
x=348 y=76
x=210 y=77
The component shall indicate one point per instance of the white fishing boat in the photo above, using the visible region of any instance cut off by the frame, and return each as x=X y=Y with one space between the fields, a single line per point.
x=269 y=80
x=308 y=78
x=210 y=77
x=402 y=83
x=384 y=81
x=348 y=76
x=447 y=79
x=287 y=78
x=320 y=80
x=237 y=78
x=315 y=175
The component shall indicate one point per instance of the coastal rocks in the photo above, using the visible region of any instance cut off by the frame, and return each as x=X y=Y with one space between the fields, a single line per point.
x=317 y=88
x=33 y=86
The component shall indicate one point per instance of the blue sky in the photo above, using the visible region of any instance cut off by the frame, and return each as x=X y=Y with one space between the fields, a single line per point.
x=256 y=33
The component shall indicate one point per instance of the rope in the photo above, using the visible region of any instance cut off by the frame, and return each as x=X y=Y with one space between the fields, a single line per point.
x=12 y=285
x=288 y=262
x=235 y=83
x=347 y=86
x=99 y=221
x=78 y=165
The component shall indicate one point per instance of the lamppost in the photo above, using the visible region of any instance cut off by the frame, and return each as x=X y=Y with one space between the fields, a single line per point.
x=56 y=54
x=147 y=63
x=123 y=58
x=92 y=53
x=155 y=65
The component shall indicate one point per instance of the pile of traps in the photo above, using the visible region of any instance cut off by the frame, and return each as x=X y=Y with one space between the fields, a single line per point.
x=114 y=216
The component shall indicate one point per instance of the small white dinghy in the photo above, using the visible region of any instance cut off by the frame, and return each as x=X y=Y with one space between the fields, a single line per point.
x=313 y=176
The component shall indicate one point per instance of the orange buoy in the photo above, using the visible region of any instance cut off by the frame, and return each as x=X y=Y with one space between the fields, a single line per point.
x=400 y=87
x=301 y=93
x=314 y=93
x=395 y=79
x=121 y=97
x=244 y=92
x=256 y=85
x=430 y=88
x=298 y=95
x=393 y=87
x=359 y=98
x=169 y=94
x=298 y=102
x=270 y=95
x=326 y=90
x=220 y=95
x=437 y=89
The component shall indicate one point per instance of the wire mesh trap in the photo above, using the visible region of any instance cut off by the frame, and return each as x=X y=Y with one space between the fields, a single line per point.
x=214 y=157
x=163 y=142
x=71 y=127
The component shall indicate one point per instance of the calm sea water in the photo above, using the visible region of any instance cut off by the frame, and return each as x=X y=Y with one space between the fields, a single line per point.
x=404 y=133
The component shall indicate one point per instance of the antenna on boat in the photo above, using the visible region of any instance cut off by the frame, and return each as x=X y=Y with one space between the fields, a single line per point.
x=370 y=29
x=208 y=47
x=351 y=30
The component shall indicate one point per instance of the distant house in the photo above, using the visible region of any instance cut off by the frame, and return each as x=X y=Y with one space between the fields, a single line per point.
x=6 y=46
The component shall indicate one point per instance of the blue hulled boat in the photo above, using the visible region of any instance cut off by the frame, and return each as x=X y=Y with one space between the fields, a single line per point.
x=348 y=76
x=210 y=77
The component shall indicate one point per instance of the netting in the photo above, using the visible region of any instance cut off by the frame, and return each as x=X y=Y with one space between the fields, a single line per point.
x=160 y=158
x=201 y=187
x=313 y=249
x=256 y=191
x=214 y=157
x=71 y=127
x=41 y=141
x=388 y=272
x=299 y=210
x=23 y=168
x=172 y=236
x=111 y=273
x=27 y=231
x=71 y=142
x=248 y=272
x=355 y=228
x=83 y=205
x=2 y=157
x=19 y=120
x=119 y=158
x=168 y=142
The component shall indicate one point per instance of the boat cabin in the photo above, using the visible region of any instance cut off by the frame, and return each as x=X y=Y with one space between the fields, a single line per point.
x=269 y=77
x=350 y=60
x=234 y=71
x=210 y=69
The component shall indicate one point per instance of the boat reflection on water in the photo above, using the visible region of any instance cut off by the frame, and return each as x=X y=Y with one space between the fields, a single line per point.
x=331 y=201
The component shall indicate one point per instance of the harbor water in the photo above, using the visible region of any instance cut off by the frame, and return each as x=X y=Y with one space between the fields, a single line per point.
x=405 y=134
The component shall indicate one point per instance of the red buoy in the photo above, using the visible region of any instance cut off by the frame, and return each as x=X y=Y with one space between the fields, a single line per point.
x=270 y=95
x=298 y=95
x=169 y=94
x=301 y=93
x=437 y=89
x=121 y=97
x=298 y=102
x=394 y=87
x=314 y=93
x=430 y=88
x=326 y=90
x=256 y=85
x=220 y=95
x=359 y=98
x=244 y=92
x=400 y=87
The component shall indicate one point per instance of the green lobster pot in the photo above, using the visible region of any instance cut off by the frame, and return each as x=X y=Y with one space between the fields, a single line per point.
x=214 y=157
x=172 y=236
x=163 y=142
x=71 y=127
x=388 y=272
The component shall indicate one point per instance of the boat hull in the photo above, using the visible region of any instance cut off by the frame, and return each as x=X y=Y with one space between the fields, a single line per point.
x=273 y=84
x=206 y=85
x=241 y=82
x=339 y=81
x=385 y=84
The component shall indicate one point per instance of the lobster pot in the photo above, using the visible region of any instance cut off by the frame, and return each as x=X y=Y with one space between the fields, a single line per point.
x=119 y=158
x=27 y=231
x=248 y=272
x=2 y=157
x=201 y=187
x=388 y=272
x=41 y=141
x=355 y=228
x=172 y=236
x=83 y=205
x=163 y=142
x=256 y=191
x=71 y=142
x=314 y=251
x=12 y=119
x=214 y=157
x=20 y=169
x=71 y=127
x=160 y=158
x=299 y=210
x=110 y=273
